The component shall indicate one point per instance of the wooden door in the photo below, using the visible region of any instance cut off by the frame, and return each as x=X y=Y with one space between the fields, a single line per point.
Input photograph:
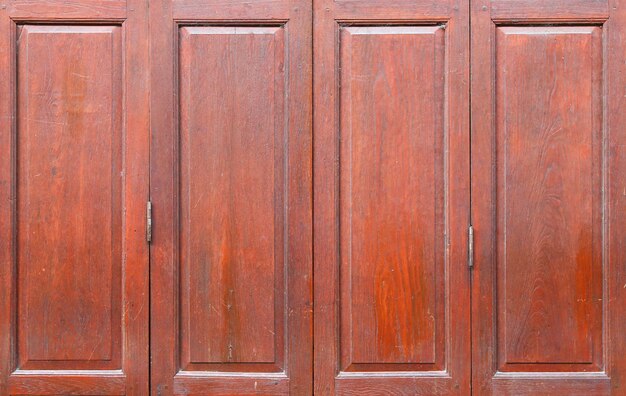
x=548 y=197
x=391 y=176
x=231 y=185
x=74 y=145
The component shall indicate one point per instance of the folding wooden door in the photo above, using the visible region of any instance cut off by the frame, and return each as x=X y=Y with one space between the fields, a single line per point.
x=391 y=171
x=548 y=197
x=231 y=262
x=408 y=197
x=74 y=147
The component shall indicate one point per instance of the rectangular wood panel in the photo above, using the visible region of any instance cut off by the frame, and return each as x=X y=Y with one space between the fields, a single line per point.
x=550 y=10
x=69 y=195
x=550 y=200
x=232 y=194
x=547 y=197
x=391 y=197
x=392 y=222
x=231 y=265
x=58 y=10
x=74 y=143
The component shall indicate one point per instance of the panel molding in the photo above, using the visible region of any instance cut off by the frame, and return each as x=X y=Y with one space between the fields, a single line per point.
x=604 y=375
x=597 y=180
x=338 y=370
x=291 y=370
x=65 y=105
x=122 y=367
x=277 y=30
x=398 y=30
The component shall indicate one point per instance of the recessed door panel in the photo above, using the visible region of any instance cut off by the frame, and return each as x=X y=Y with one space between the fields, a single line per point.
x=231 y=169
x=550 y=200
x=74 y=185
x=261 y=221
x=392 y=224
x=232 y=189
x=546 y=124
x=69 y=250
x=391 y=187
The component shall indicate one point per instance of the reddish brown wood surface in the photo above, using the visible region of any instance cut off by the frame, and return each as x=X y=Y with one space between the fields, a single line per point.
x=69 y=250
x=547 y=192
x=549 y=196
x=392 y=206
x=74 y=183
x=232 y=230
x=209 y=115
x=231 y=182
x=391 y=197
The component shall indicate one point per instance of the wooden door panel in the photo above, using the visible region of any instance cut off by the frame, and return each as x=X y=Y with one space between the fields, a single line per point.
x=73 y=179
x=545 y=128
x=232 y=150
x=391 y=197
x=231 y=181
x=392 y=175
x=549 y=195
x=69 y=219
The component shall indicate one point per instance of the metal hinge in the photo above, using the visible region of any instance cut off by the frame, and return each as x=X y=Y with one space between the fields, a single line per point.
x=470 y=247
x=149 y=221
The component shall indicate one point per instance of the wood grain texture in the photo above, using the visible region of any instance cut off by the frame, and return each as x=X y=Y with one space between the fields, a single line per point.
x=247 y=103
x=164 y=307
x=8 y=322
x=69 y=215
x=566 y=383
x=74 y=275
x=214 y=104
x=525 y=10
x=392 y=221
x=211 y=384
x=58 y=383
x=267 y=10
x=390 y=135
x=407 y=10
x=232 y=193
x=58 y=10
x=136 y=310
x=546 y=114
x=370 y=384
x=615 y=182
x=549 y=148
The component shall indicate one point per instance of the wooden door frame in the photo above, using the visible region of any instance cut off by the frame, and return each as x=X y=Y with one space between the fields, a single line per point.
x=131 y=377
x=329 y=17
x=294 y=17
x=611 y=16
